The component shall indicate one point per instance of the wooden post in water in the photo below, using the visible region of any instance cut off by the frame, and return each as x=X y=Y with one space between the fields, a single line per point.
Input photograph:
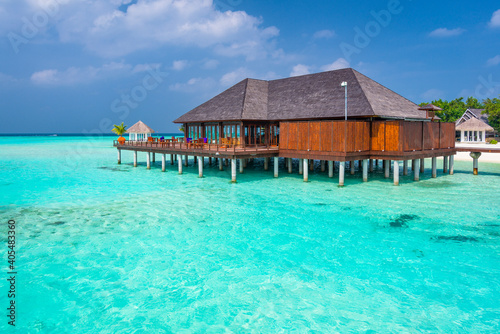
x=163 y=161
x=405 y=167
x=351 y=164
x=301 y=166
x=387 y=169
x=210 y=161
x=290 y=165
x=311 y=165
x=135 y=158
x=148 y=161
x=396 y=173
x=171 y=159
x=200 y=166
x=413 y=164
x=306 y=170
x=452 y=162
x=179 y=162
x=330 y=168
x=154 y=157
x=241 y=166
x=186 y=161
x=475 y=162
x=233 y=170
x=422 y=166
x=220 y=164
x=322 y=165
x=371 y=165
x=416 y=170
x=434 y=167
x=445 y=164
x=266 y=163
x=365 y=170
x=341 y=173
x=276 y=166
x=119 y=156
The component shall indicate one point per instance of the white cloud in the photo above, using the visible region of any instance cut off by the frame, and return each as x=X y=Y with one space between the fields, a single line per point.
x=179 y=65
x=336 y=65
x=445 y=32
x=493 y=61
x=76 y=75
x=109 y=32
x=324 y=34
x=193 y=85
x=432 y=94
x=236 y=76
x=495 y=20
x=210 y=64
x=300 y=69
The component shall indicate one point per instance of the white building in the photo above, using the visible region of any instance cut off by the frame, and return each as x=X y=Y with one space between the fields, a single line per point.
x=473 y=126
x=139 y=132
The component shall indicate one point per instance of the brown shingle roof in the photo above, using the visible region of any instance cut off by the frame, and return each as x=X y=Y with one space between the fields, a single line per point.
x=430 y=107
x=140 y=127
x=474 y=124
x=312 y=96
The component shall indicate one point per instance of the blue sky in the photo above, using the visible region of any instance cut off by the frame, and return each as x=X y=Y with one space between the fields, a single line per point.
x=81 y=66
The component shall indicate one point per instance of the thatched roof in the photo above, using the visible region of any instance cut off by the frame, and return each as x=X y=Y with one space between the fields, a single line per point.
x=474 y=124
x=430 y=107
x=140 y=127
x=312 y=96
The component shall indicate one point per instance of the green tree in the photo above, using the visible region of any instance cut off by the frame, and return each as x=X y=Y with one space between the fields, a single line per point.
x=473 y=103
x=119 y=129
x=492 y=109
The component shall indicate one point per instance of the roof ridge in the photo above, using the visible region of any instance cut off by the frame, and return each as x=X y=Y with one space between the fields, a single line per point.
x=363 y=90
x=244 y=98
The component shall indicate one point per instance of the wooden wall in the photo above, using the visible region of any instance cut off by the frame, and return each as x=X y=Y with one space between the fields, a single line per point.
x=387 y=136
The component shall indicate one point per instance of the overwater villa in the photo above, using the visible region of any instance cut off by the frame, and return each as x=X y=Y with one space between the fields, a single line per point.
x=334 y=117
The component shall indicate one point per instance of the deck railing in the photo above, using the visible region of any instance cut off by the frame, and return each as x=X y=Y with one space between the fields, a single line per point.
x=194 y=146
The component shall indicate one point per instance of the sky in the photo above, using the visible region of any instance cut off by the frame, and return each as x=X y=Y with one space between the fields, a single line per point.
x=80 y=66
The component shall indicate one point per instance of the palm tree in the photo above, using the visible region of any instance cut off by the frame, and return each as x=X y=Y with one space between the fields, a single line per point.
x=120 y=130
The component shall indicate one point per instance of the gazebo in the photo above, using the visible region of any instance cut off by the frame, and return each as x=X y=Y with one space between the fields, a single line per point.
x=139 y=132
x=473 y=130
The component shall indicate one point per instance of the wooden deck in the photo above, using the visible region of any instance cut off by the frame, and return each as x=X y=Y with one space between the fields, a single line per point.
x=203 y=150
x=478 y=149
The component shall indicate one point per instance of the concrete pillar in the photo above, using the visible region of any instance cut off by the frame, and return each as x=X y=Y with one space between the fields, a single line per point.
x=330 y=168
x=396 y=173
x=416 y=170
x=301 y=166
x=289 y=165
x=171 y=159
x=413 y=163
x=351 y=164
x=434 y=167
x=154 y=157
x=245 y=163
x=210 y=161
x=311 y=165
x=370 y=162
x=452 y=162
x=186 y=161
x=341 y=173
x=475 y=161
x=233 y=170
x=200 y=166
x=179 y=162
x=387 y=169
x=405 y=167
x=135 y=158
x=148 y=161
x=422 y=166
x=266 y=163
x=306 y=170
x=365 y=170
x=220 y=164
x=119 y=156
x=276 y=166
x=322 y=165
x=241 y=165
x=445 y=164
x=163 y=161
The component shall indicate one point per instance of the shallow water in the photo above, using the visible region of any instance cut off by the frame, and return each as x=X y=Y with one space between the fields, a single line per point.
x=116 y=249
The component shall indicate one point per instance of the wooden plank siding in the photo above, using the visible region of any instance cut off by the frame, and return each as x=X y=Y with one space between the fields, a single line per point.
x=284 y=134
x=314 y=136
x=447 y=135
x=431 y=135
x=378 y=136
x=412 y=136
x=326 y=129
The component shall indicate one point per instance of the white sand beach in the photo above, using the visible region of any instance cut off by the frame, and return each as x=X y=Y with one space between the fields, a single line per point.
x=485 y=157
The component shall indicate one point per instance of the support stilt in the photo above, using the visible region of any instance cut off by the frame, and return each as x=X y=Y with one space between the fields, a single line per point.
x=233 y=170
x=119 y=156
x=289 y=165
x=241 y=166
x=135 y=158
x=276 y=166
x=330 y=168
x=154 y=157
x=452 y=163
x=351 y=163
x=396 y=173
x=200 y=166
x=445 y=164
x=387 y=169
x=322 y=165
x=186 y=161
x=148 y=161
x=171 y=159
x=434 y=167
x=422 y=166
x=220 y=164
x=371 y=165
x=341 y=173
x=365 y=170
x=405 y=167
x=163 y=161
x=301 y=166
x=266 y=163
x=416 y=170
x=306 y=170
x=179 y=162
x=475 y=162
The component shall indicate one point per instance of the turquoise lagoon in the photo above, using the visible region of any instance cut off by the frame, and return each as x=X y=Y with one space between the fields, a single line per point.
x=107 y=248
